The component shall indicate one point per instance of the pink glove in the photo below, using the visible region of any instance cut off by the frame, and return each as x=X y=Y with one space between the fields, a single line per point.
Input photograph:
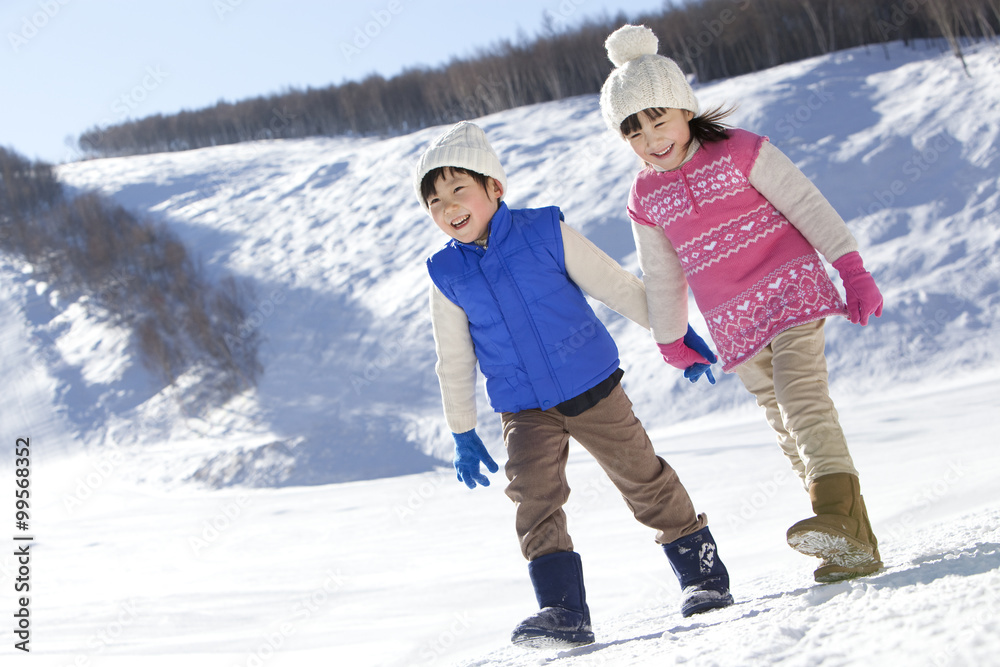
x=863 y=297
x=679 y=355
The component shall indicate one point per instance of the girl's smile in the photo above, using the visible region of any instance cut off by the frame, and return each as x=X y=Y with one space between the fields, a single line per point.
x=664 y=153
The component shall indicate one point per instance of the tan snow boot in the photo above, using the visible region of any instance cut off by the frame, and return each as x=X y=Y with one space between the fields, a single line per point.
x=840 y=533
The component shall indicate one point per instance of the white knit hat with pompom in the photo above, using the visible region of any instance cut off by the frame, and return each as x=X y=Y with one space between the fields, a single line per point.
x=641 y=78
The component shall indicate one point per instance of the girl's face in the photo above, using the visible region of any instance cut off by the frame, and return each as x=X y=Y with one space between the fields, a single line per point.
x=461 y=207
x=662 y=141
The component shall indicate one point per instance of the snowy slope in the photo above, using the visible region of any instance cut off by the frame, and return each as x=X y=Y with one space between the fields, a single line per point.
x=219 y=538
x=418 y=570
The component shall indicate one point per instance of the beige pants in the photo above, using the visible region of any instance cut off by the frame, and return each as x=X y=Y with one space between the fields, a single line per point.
x=537 y=450
x=789 y=379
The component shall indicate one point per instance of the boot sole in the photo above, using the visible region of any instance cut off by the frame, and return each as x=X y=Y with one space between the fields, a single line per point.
x=708 y=601
x=542 y=642
x=843 y=557
x=836 y=549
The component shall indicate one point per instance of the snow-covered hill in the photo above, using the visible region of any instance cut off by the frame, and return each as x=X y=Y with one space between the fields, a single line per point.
x=159 y=533
x=419 y=571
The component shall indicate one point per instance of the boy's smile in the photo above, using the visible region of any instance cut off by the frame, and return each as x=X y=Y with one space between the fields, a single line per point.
x=461 y=222
x=662 y=141
x=462 y=208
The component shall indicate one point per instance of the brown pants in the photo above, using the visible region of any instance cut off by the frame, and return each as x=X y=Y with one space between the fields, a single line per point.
x=789 y=379
x=537 y=450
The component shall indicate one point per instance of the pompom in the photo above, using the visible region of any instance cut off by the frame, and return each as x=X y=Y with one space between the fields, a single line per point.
x=629 y=42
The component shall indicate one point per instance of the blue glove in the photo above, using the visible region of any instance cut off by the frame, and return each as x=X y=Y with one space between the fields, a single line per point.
x=469 y=453
x=695 y=371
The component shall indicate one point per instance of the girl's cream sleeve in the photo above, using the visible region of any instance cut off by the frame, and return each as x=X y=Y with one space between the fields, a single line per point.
x=666 y=285
x=776 y=177
x=603 y=278
x=456 y=362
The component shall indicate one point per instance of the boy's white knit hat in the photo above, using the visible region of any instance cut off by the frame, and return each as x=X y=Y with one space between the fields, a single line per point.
x=641 y=78
x=465 y=146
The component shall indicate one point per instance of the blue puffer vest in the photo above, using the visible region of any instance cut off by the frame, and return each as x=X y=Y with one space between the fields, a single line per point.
x=537 y=340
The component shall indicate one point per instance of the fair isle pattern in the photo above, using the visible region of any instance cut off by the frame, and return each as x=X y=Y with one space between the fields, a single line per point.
x=708 y=184
x=730 y=237
x=717 y=180
x=797 y=292
x=667 y=203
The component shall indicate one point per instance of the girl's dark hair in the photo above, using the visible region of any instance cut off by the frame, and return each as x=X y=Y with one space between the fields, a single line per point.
x=705 y=127
x=427 y=187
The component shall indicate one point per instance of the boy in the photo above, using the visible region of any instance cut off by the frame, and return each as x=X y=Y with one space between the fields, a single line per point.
x=507 y=295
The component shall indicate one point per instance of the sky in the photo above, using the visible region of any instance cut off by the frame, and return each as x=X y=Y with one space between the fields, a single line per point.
x=67 y=66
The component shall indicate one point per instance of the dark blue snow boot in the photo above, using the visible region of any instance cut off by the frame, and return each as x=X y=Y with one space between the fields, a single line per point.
x=704 y=579
x=564 y=619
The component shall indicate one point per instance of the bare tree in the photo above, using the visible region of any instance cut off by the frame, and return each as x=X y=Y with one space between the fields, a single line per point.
x=136 y=273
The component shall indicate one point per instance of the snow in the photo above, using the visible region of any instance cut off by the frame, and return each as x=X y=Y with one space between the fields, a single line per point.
x=316 y=520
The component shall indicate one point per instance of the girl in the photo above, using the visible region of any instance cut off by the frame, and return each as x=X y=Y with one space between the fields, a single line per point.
x=725 y=212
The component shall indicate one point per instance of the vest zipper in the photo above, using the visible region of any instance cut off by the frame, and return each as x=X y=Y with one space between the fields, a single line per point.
x=531 y=324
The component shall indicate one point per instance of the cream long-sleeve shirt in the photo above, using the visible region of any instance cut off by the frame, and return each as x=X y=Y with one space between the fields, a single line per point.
x=598 y=275
x=776 y=177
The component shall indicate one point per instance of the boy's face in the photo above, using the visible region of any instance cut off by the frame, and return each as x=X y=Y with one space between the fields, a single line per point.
x=662 y=141
x=461 y=207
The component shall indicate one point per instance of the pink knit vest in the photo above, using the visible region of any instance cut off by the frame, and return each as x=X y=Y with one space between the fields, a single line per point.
x=752 y=273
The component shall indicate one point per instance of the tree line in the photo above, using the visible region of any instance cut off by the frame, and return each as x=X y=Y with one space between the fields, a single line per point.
x=133 y=273
x=710 y=39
